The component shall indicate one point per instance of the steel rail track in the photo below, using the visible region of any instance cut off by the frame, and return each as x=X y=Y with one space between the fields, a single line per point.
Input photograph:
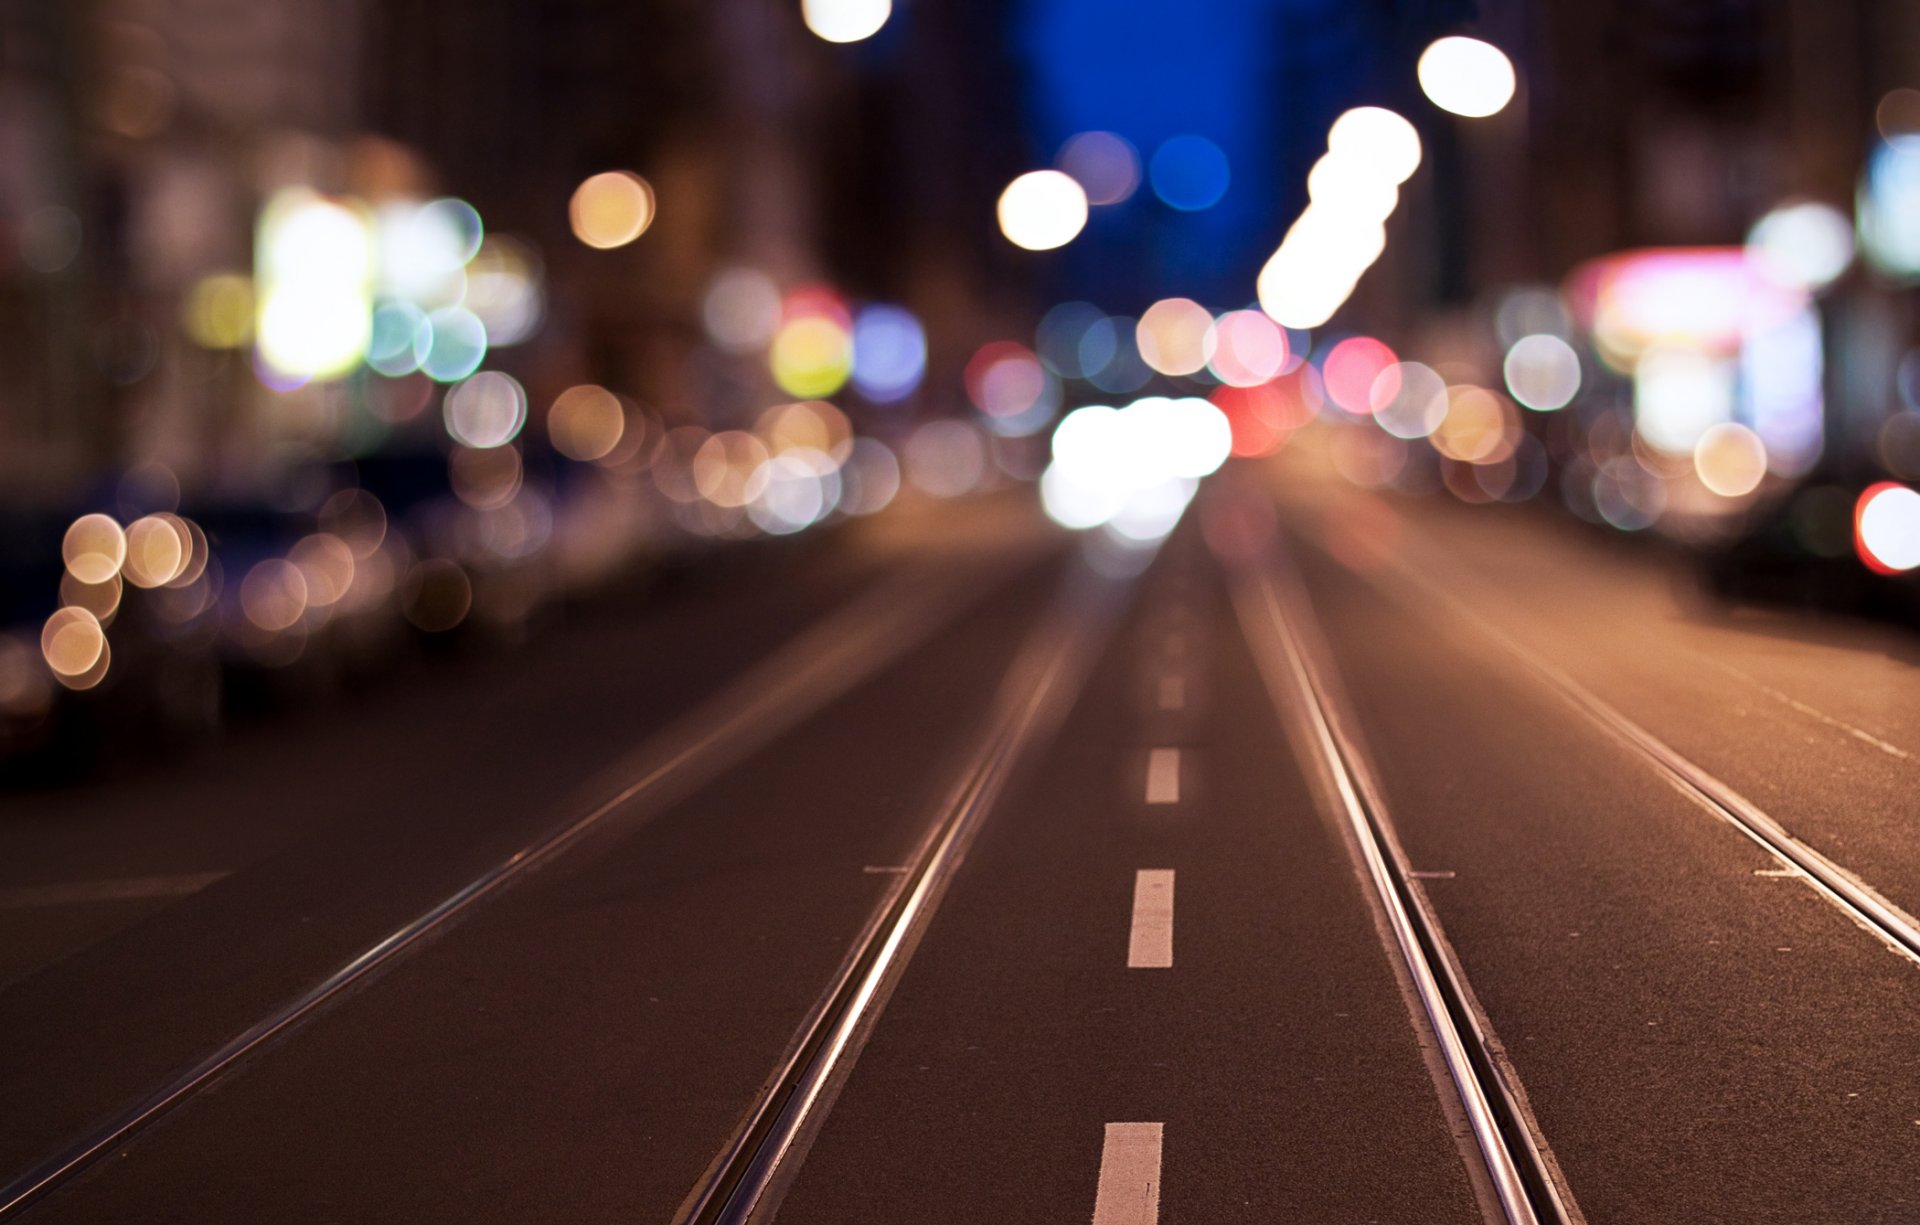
x=1523 y=1176
x=1862 y=903
x=821 y=663
x=747 y=1178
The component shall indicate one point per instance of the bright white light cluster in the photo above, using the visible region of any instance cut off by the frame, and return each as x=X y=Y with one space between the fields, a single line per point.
x=1352 y=190
x=1133 y=469
x=314 y=271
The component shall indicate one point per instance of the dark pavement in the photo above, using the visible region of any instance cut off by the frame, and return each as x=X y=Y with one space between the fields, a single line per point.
x=1701 y=1036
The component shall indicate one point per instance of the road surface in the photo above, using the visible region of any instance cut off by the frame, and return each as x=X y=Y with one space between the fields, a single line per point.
x=1334 y=860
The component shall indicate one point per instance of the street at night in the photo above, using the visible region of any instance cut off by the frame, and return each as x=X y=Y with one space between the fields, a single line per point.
x=834 y=611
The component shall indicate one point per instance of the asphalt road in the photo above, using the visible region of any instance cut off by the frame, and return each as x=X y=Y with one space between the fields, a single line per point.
x=1022 y=844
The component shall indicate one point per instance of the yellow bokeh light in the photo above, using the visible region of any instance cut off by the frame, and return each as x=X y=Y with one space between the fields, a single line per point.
x=611 y=209
x=73 y=642
x=1479 y=428
x=159 y=548
x=94 y=548
x=812 y=356
x=219 y=311
x=586 y=422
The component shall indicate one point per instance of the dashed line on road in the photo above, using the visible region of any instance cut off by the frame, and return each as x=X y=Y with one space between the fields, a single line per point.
x=1129 y=1190
x=1150 y=941
x=1812 y=712
x=1173 y=693
x=1163 y=776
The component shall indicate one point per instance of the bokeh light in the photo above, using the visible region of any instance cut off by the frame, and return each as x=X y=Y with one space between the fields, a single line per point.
x=159 y=548
x=356 y=517
x=1802 y=246
x=586 y=423
x=327 y=567
x=485 y=478
x=75 y=647
x=93 y=548
x=1059 y=334
x=889 y=353
x=1542 y=372
x=1105 y=164
x=1887 y=527
x=422 y=250
x=504 y=289
x=1042 y=209
x=870 y=478
x=1466 y=76
x=741 y=310
x=811 y=355
x=314 y=269
x=1376 y=137
x=1409 y=400
x=730 y=468
x=436 y=595
x=1007 y=383
x=946 y=459
x=1133 y=468
x=1245 y=348
x=810 y=425
x=486 y=410
x=1479 y=428
x=1189 y=173
x=273 y=596
x=456 y=344
x=1351 y=370
x=219 y=311
x=845 y=21
x=399 y=340
x=100 y=599
x=611 y=209
x=1172 y=336
x=1111 y=357
x=1678 y=394
x=1730 y=459
x=1352 y=187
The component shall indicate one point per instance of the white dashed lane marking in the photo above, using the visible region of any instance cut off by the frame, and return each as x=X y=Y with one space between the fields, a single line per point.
x=1150 y=944
x=1129 y=1191
x=1173 y=692
x=1163 y=776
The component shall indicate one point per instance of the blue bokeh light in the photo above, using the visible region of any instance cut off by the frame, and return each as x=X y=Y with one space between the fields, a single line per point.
x=1189 y=173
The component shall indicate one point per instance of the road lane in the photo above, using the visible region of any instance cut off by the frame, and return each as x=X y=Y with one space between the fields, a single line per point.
x=1812 y=718
x=99 y=1030
x=1700 y=1040
x=584 y=1044
x=1273 y=1061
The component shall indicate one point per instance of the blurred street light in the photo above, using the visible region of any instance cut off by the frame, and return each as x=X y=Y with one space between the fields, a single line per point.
x=1042 y=209
x=845 y=21
x=1466 y=77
